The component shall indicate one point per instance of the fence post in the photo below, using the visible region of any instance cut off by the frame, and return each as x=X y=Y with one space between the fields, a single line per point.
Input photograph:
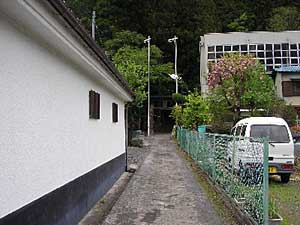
x=214 y=159
x=180 y=137
x=266 y=181
x=233 y=154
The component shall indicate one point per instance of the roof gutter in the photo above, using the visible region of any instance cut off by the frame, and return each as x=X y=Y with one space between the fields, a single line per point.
x=61 y=8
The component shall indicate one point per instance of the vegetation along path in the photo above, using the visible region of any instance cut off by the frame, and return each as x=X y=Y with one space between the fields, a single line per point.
x=163 y=191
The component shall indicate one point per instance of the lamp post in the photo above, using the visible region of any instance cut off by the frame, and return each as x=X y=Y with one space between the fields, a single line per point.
x=175 y=43
x=93 y=24
x=148 y=122
x=176 y=78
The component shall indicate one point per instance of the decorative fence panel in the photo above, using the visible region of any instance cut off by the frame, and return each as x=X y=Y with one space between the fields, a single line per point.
x=238 y=165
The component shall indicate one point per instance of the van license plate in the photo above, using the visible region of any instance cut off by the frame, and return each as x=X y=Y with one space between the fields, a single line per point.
x=272 y=169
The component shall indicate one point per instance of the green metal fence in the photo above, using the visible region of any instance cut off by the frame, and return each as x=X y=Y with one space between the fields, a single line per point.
x=238 y=165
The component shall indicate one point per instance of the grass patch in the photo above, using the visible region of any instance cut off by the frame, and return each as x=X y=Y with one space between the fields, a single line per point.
x=287 y=198
x=214 y=197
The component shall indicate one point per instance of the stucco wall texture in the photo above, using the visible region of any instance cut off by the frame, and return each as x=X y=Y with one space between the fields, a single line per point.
x=46 y=136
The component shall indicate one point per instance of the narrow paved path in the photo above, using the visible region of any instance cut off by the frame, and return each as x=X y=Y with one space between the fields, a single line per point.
x=163 y=191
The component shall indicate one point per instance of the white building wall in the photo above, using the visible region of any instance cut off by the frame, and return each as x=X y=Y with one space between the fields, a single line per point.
x=245 y=38
x=46 y=136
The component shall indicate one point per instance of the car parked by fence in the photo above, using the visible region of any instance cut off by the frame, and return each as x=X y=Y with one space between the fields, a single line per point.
x=281 y=147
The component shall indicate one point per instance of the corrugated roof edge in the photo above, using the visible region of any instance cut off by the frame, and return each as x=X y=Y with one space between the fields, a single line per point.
x=69 y=17
x=288 y=69
x=255 y=32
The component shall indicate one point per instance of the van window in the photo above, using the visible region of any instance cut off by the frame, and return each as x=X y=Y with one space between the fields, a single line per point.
x=232 y=131
x=243 y=132
x=238 y=131
x=275 y=133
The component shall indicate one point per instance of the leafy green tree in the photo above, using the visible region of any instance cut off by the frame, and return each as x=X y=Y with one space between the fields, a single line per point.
x=244 y=23
x=284 y=18
x=177 y=115
x=228 y=11
x=132 y=64
x=122 y=39
x=279 y=108
x=222 y=115
x=196 y=111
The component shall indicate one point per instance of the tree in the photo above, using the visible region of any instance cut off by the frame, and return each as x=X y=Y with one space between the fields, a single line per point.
x=244 y=23
x=284 y=18
x=241 y=82
x=196 y=111
x=123 y=38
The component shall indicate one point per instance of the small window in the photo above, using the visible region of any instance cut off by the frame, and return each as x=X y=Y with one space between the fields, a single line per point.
x=219 y=48
x=227 y=48
x=94 y=105
x=293 y=46
x=211 y=55
x=269 y=47
x=278 y=61
x=211 y=48
x=277 y=53
x=284 y=61
x=285 y=53
x=236 y=48
x=244 y=48
x=219 y=55
x=261 y=47
x=269 y=61
x=261 y=54
x=269 y=54
x=293 y=53
x=115 y=112
x=285 y=46
x=290 y=88
x=252 y=47
x=277 y=46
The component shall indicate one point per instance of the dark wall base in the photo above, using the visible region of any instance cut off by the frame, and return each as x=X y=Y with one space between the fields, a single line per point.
x=69 y=203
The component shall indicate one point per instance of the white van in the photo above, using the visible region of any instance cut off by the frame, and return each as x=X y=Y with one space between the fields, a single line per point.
x=281 y=146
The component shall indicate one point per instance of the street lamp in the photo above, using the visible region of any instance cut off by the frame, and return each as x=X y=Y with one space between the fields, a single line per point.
x=176 y=78
x=175 y=43
x=148 y=122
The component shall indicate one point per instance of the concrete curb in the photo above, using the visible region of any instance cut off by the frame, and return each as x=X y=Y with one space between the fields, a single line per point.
x=102 y=208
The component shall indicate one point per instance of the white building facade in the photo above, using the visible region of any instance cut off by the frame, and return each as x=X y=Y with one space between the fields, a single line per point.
x=273 y=49
x=62 y=133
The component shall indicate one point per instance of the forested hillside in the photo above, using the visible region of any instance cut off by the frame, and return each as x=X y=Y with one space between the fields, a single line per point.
x=188 y=19
x=122 y=26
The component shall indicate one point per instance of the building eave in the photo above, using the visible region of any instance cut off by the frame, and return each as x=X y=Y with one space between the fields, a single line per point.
x=68 y=16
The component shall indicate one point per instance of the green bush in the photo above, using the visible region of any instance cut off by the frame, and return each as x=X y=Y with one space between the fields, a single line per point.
x=194 y=112
x=179 y=98
x=177 y=115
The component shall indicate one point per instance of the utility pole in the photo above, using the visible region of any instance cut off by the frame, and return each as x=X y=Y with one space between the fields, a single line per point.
x=175 y=44
x=93 y=24
x=148 y=122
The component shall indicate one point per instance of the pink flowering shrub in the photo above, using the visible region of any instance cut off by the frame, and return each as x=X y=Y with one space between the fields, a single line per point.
x=233 y=65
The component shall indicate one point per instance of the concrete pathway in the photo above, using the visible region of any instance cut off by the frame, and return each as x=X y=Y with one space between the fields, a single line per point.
x=163 y=191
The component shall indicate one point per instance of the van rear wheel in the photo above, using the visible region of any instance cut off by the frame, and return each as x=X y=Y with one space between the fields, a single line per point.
x=285 y=178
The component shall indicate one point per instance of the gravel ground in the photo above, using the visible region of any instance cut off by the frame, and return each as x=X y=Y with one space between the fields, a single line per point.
x=137 y=155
